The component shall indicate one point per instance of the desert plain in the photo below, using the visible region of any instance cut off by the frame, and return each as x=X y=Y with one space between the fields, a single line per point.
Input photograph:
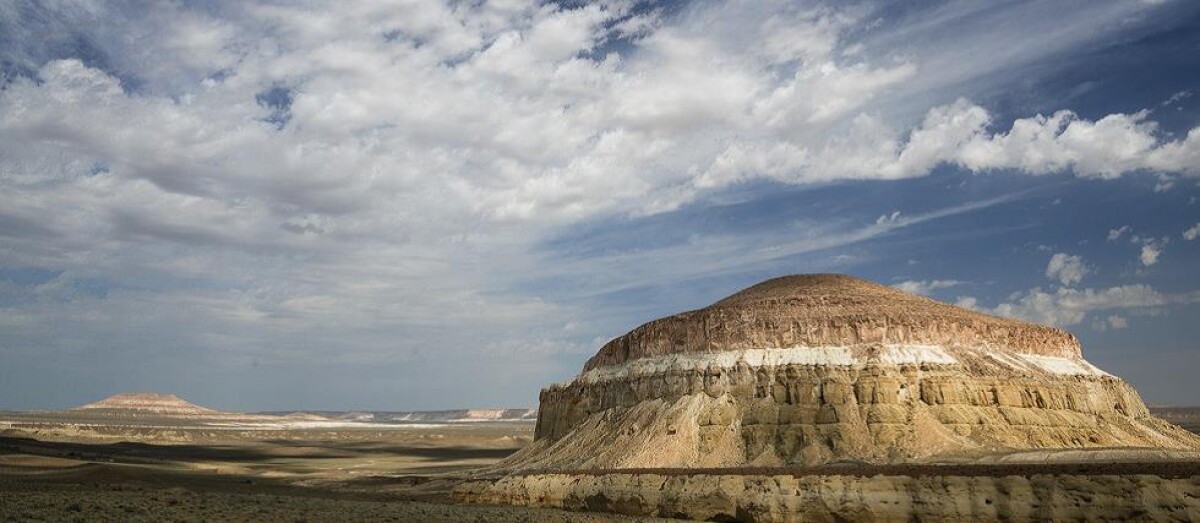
x=802 y=398
x=68 y=466
x=77 y=466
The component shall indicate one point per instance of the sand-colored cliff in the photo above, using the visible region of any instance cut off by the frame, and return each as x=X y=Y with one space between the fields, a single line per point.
x=883 y=497
x=147 y=404
x=804 y=370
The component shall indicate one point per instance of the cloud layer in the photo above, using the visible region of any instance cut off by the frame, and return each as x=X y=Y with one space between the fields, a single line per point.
x=371 y=182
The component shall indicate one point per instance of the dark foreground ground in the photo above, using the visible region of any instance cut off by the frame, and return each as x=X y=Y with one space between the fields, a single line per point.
x=65 y=500
x=362 y=474
x=54 y=470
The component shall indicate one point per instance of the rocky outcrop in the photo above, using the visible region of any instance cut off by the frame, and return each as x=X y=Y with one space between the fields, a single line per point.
x=828 y=310
x=785 y=497
x=820 y=368
x=146 y=404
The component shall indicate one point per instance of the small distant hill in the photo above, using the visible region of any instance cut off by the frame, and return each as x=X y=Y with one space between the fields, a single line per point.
x=148 y=404
x=155 y=405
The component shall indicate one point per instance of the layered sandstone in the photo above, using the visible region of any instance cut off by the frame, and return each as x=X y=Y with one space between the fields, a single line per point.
x=813 y=369
x=828 y=310
x=147 y=404
x=881 y=497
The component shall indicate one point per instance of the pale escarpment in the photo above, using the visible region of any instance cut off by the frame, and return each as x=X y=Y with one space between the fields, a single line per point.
x=463 y=415
x=435 y=416
x=814 y=369
x=803 y=414
x=787 y=498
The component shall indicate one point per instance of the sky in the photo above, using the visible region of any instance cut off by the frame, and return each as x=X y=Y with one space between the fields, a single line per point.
x=418 y=204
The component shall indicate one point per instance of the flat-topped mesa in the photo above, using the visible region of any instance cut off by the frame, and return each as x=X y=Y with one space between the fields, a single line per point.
x=818 y=368
x=830 y=310
x=145 y=404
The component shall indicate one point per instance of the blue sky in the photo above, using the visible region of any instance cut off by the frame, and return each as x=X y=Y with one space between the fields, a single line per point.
x=420 y=205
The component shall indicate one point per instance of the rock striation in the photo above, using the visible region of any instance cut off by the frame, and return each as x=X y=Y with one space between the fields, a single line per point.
x=876 y=497
x=147 y=404
x=814 y=369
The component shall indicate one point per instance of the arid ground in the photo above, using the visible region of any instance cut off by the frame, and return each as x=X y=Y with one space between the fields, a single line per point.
x=54 y=468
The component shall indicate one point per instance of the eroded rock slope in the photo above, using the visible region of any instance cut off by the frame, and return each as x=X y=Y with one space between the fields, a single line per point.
x=812 y=369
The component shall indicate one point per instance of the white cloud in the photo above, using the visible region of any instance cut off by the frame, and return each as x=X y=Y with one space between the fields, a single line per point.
x=711 y=256
x=1165 y=183
x=925 y=287
x=430 y=147
x=1115 y=234
x=1116 y=322
x=1065 y=307
x=1106 y=148
x=1150 y=253
x=958 y=134
x=888 y=218
x=1113 y=321
x=522 y=128
x=1066 y=268
x=1176 y=98
x=1192 y=233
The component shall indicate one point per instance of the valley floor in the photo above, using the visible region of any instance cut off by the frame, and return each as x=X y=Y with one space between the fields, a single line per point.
x=51 y=471
x=55 y=470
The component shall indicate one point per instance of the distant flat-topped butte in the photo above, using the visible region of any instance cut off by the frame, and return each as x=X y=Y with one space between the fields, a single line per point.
x=810 y=369
x=149 y=403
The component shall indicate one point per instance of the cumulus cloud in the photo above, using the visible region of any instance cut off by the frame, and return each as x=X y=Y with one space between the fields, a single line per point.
x=1065 y=307
x=1066 y=268
x=959 y=134
x=365 y=179
x=1151 y=250
x=1192 y=233
x=1113 y=321
x=521 y=115
x=925 y=287
x=1116 y=322
x=1115 y=234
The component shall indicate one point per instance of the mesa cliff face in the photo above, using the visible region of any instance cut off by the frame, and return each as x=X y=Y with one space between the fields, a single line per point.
x=812 y=369
x=876 y=497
